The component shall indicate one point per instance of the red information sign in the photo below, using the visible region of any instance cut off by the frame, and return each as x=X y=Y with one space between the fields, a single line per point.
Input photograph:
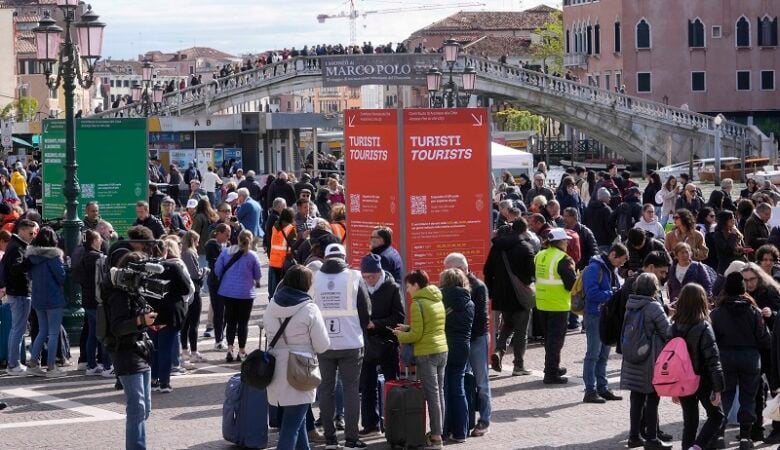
x=371 y=159
x=447 y=182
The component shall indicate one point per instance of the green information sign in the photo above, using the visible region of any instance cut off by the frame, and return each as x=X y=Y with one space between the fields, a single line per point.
x=113 y=158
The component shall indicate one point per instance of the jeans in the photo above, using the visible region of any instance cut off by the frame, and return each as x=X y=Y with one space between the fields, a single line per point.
x=430 y=370
x=49 y=322
x=644 y=405
x=175 y=352
x=274 y=277
x=594 y=369
x=517 y=322
x=741 y=368
x=478 y=360
x=369 y=411
x=138 y=392
x=162 y=356
x=292 y=434
x=456 y=410
x=690 y=407
x=92 y=343
x=20 y=311
x=348 y=364
x=555 y=323
x=218 y=318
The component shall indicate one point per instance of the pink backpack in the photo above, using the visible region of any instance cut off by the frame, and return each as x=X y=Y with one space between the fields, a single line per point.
x=673 y=375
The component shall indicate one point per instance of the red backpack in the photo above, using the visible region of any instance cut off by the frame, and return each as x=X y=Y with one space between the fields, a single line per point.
x=573 y=246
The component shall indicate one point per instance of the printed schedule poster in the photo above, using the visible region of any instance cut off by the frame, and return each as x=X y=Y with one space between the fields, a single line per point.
x=112 y=156
x=371 y=158
x=447 y=182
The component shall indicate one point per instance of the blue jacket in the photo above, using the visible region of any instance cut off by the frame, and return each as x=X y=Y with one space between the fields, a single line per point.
x=239 y=280
x=597 y=282
x=391 y=261
x=249 y=215
x=47 y=275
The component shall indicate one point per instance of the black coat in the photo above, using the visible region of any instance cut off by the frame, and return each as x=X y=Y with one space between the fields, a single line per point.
x=767 y=297
x=700 y=340
x=588 y=245
x=281 y=189
x=253 y=187
x=387 y=309
x=127 y=353
x=636 y=257
x=152 y=223
x=84 y=273
x=481 y=311
x=15 y=267
x=520 y=254
x=598 y=217
x=725 y=249
x=738 y=325
x=172 y=308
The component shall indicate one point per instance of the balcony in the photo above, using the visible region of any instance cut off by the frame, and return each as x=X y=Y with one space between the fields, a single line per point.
x=575 y=60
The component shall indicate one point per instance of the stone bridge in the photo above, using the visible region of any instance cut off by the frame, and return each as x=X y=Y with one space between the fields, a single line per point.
x=633 y=127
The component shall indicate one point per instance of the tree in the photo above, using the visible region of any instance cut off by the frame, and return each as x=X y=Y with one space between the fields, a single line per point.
x=517 y=120
x=549 y=49
x=7 y=111
x=27 y=107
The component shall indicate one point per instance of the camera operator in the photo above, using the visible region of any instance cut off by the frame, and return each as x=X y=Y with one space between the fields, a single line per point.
x=140 y=239
x=172 y=311
x=131 y=353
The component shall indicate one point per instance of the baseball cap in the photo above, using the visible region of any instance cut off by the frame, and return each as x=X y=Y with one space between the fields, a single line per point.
x=231 y=197
x=558 y=234
x=192 y=203
x=335 y=251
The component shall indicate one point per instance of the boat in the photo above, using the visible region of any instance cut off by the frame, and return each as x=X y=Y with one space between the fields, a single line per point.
x=595 y=164
x=675 y=170
x=733 y=169
x=771 y=173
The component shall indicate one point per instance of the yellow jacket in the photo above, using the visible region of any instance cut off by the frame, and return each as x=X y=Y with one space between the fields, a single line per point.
x=19 y=182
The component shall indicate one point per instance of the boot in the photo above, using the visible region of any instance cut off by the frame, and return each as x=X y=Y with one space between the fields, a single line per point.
x=745 y=441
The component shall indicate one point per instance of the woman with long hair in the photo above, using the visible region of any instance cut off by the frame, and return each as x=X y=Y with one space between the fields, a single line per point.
x=238 y=270
x=685 y=231
x=745 y=209
x=751 y=187
x=705 y=220
x=768 y=257
x=741 y=335
x=654 y=186
x=7 y=191
x=189 y=330
x=174 y=181
x=205 y=215
x=727 y=242
x=668 y=196
x=692 y=323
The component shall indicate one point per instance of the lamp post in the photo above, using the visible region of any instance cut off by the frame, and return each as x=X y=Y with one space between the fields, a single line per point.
x=50 y=49
x=450 y=96
x=145 y=100
x=718 y=121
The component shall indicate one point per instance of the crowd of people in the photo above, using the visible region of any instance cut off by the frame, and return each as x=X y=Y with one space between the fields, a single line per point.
x=663 y=258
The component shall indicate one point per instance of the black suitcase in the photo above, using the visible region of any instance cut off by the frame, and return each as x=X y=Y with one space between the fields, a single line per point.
x=404 y=414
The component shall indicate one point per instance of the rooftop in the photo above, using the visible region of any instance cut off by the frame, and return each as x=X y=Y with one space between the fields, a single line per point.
x=496 y=46
x=463 y=21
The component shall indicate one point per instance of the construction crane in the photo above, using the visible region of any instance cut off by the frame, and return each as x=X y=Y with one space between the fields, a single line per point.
x=353 y=14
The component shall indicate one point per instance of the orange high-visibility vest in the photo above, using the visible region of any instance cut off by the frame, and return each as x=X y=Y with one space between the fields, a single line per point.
x=279 y=247
x=339 y=230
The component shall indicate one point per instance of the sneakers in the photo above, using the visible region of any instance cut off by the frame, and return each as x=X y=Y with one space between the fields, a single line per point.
x=208 y=333
x=480 y=430
x=433 y=444
x=745 y=444
x=229 y=358
x=189 y=365
x=95 y=371
x=108 y=373
x=454 y=440
x=240 y=356
x=220 y=346
x=368 y=431
x=555 y=380
x=332 y=445
x=197 y=358
x=773 y=437
x=166 y=389
x=82 y=366
x=592 y=397
x=155 y=385
x=316 y=437
x=610 y=396
x=520 y=371
x=178 y=371
x=18 y=371
x=56 y=372
x=657 y=444
x=635 y=442
x=495 y=361
x=355 y=444
x=339 y=423
x=36 y=371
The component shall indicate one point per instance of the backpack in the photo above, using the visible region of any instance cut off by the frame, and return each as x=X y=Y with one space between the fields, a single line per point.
x=673 y=375
x=578 y=292
x=103 y=319
x=611 y=317
x=573 y=246
x=615 y=199
x=636 y=344
x=625 y=220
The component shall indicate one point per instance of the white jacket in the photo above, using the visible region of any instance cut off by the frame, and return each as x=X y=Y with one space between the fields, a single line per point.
x=305 y=333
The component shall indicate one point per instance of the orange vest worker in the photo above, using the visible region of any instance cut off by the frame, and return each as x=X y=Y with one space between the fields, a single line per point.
x=279 y=247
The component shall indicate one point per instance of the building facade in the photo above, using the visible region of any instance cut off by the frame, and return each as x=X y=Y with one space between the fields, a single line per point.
x=710 y=57
x=7 y=53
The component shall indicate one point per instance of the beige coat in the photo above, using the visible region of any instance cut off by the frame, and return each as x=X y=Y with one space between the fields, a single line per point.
x=694 y=238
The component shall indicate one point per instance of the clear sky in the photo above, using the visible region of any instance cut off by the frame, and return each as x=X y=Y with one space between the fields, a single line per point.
x=243 y=26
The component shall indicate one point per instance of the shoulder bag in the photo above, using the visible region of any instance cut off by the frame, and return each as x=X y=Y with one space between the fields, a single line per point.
x=526 y=296
x=257 y=370
x=303 y=369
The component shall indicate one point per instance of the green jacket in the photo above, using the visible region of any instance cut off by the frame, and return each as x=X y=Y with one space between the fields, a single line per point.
x=426 y=330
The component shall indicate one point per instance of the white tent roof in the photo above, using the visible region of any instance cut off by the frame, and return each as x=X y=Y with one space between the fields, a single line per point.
x=504 y=157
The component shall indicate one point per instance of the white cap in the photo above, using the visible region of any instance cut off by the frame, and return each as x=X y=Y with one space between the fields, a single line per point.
x=335 y=251
x=192 y=203
x=558 y=234
x=231 y=197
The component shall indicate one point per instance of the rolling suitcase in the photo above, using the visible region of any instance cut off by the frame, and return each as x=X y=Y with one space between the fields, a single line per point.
x=404 y=414
x=245 y=414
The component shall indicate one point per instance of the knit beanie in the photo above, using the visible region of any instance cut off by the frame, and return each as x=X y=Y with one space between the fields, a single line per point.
x=735 y=284
x=371 y=263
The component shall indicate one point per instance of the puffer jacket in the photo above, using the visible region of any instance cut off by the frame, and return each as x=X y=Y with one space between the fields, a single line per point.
x=47 y=277
x=460 y=315
x=700 y=340
x=738 y=326
x=306 y=333
x=638 y=377
x=426 y=323
x=239 y=280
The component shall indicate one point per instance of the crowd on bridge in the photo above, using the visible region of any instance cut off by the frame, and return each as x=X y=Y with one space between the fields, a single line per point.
x=631 y=268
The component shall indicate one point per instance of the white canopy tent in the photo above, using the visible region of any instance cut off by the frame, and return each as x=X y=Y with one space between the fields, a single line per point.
x=504 y=157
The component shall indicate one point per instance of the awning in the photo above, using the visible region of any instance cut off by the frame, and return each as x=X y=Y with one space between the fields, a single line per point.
x=22 y=142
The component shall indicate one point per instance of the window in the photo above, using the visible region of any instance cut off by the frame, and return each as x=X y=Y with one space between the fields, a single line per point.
x=743 y=80
x=112 y=83
x=597 y=81
x=590 y=39
x=767 y=32
x=743 y=32
x=597 y=39
x=607 y=84
x=618 y=80
x=643 y=34
x=767 y=80
x=126 y=83
x=698 y=83
x=568 y=41
x=695 y=34
x=717 y=32
x=643 y=83
x=617 y=37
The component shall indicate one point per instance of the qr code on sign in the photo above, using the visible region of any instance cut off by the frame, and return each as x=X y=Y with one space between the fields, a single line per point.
x=87 y=191
x=354 y=203
x=419 y=205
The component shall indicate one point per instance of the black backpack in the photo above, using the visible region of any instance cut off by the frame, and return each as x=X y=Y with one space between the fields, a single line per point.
x=102 y=291
x=625 y=220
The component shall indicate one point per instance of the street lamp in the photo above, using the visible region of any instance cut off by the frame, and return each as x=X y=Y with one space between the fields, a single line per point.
x=718 y=121
x=50 y=49
x=144 y=96
x=450 y=95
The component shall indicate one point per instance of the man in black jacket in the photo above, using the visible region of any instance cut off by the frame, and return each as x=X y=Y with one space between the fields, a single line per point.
x=387 y=311
x=478 y=355
x=588 y=245
x=253 y=186
x=281 y=188
x=17 y=288
x=145 y=219
x=640 y=243
x=598 y=218
x=510 y=251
